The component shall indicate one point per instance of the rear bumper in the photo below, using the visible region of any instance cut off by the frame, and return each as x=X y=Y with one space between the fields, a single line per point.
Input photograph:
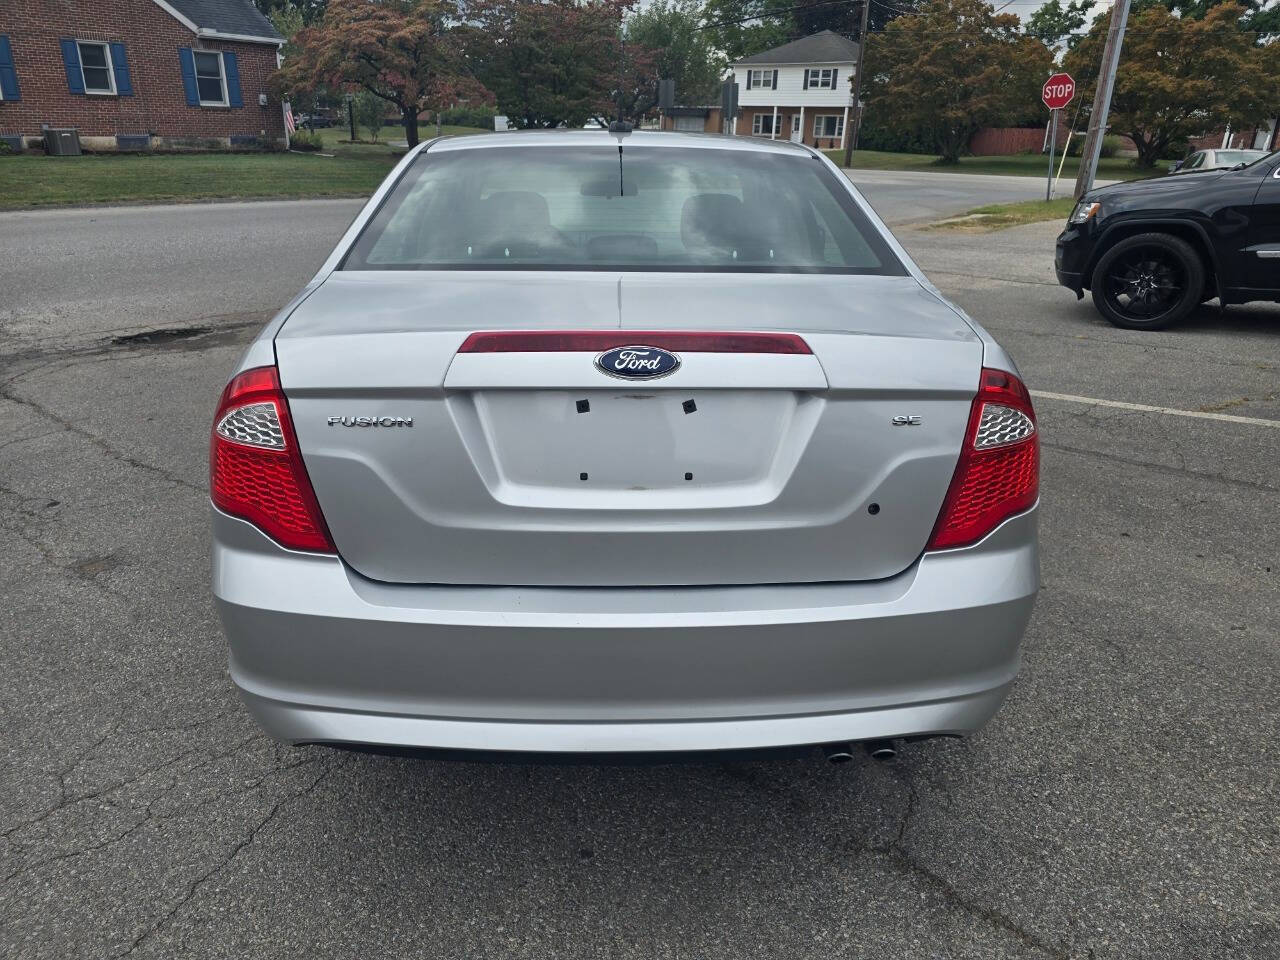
x=323 y=655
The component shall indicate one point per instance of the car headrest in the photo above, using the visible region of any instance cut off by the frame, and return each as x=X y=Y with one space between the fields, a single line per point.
x=715 y=221
x=519 y=210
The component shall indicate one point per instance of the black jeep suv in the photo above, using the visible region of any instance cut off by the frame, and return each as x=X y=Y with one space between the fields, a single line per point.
x=1150 y=251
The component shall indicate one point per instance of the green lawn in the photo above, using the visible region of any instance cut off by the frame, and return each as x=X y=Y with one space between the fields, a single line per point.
x=997 y=216
x=1020 y=165
x=354 y=170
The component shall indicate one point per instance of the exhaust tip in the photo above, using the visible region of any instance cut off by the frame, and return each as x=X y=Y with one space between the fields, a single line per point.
x=881 y=750
x=838 y=752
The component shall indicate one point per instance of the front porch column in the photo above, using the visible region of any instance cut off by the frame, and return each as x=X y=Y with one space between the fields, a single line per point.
x=844 y=129
x=802 y=124
x=773 y=134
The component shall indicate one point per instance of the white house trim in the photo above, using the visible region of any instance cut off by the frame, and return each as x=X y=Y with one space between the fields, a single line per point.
x=177 y=16
x=240 y=37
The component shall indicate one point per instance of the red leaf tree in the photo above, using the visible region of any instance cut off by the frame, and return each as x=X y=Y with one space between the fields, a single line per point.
x=410 y=53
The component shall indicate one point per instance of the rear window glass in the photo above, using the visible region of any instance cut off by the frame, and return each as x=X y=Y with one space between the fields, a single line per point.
x=648 y=208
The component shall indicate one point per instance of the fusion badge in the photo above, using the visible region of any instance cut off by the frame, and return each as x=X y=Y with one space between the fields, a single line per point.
x=371 y=421
x=638 y=363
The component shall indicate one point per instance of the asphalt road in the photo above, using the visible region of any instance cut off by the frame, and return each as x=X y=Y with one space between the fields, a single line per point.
x=1122 y=805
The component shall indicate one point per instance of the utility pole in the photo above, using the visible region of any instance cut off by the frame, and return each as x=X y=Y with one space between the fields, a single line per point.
x=1102 y=98
x=851 y=136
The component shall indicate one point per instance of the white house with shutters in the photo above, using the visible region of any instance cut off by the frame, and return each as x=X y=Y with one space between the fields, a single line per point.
x=799 y=91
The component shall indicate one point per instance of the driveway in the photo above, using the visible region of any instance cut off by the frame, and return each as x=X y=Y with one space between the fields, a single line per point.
x=1122 y=805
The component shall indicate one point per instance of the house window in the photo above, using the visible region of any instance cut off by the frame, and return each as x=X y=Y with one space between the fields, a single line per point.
x=822 y=79
x=210 y=81
x=95 y=67
x=761 y=79
x=762 y=125
x=828 y=126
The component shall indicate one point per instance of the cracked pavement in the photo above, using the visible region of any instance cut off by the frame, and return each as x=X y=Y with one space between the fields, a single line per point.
x=1122 y=805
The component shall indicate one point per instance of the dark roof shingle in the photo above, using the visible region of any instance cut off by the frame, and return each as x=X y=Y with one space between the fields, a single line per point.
x=824 y=47
x=238 y=17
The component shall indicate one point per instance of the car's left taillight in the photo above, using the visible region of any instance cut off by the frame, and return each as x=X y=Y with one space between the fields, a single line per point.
x=255 y=468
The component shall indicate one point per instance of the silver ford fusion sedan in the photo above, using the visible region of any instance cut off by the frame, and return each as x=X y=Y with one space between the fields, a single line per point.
x=600 y=442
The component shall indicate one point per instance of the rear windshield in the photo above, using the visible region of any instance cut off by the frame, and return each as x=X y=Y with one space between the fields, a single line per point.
x=1239 y=156
x=646 y=208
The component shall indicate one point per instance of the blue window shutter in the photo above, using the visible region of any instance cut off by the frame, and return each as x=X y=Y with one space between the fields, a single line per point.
x=71 y=59
x=233 y=80
x=8 y=76
x=120 y=63
x=189 y=76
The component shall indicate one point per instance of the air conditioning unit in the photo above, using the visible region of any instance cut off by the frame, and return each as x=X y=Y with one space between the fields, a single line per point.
x=62 y=142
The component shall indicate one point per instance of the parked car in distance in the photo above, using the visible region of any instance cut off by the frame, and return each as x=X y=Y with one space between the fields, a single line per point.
x=314 y=121
x=1215 y=160
x=1150 y=251
x=583 y=442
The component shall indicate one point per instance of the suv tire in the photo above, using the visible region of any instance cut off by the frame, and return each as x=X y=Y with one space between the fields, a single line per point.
x=1148 y=281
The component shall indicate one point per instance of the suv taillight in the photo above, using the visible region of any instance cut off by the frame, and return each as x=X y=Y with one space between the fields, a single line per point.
x=255 y=469
x=998 y=473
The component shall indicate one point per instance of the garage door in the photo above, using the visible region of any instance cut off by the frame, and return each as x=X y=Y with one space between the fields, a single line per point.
x=690 y=124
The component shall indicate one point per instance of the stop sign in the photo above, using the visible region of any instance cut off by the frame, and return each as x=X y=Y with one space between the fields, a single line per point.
x=1059 y=90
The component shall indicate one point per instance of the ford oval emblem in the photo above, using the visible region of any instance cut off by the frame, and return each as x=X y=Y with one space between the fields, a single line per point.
x=638 y=363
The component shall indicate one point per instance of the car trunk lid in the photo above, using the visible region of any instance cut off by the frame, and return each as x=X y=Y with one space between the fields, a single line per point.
x=535 y=468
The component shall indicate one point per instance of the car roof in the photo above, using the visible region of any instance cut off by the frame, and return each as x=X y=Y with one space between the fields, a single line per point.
x=597 y=138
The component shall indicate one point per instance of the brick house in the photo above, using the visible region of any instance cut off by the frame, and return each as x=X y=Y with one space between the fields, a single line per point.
x=139 y=74
x=799 y=91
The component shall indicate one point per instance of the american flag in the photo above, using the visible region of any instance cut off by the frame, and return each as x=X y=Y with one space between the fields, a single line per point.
x=289 y=123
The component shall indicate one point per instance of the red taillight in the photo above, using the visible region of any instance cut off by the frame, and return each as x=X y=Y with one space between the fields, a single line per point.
x=255 y=468
x=998 y=473
x=594 y=341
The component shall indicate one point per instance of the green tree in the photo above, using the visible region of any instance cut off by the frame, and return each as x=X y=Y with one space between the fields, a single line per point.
x=680 y=50
x=1056 y=24
x=951 y=69
x=370 y=111
x=1180 y=76
x=408 y=53
x=742 y=28
x=309 y=11
x=551 y=62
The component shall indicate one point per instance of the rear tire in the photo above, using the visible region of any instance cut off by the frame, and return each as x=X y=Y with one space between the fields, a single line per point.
x=1148 y=281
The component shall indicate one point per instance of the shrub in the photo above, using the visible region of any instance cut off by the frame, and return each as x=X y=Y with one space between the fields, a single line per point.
x=1110 y=146
x=477 y=116
x=307 y=140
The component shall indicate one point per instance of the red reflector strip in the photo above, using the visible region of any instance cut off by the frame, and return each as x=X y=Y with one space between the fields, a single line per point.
x=595 y=341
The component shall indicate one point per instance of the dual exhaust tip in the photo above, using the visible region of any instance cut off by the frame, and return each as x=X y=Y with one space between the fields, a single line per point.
x=881 y=750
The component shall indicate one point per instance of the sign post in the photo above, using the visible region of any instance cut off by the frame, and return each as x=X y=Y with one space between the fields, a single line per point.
x=1057 y=92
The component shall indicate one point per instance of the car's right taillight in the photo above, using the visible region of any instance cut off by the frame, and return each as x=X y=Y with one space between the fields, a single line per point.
x=998 y=474
x=255 y=468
